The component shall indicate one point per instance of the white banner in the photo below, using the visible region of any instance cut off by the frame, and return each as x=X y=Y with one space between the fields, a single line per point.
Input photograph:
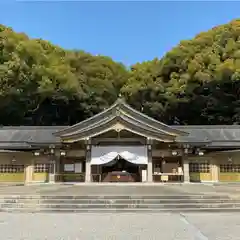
x=105 y=154
x=68 y=167
x=78 y=167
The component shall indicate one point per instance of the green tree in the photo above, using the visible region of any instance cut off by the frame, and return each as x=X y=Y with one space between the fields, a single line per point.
x=197 y=82
x=199 y=79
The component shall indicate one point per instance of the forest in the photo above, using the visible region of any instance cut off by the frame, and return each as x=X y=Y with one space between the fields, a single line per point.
x=197 y=82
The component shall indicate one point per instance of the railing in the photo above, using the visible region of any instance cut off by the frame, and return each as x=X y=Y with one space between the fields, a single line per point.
x=168 y=177
x=120 y=177
x=70 y=177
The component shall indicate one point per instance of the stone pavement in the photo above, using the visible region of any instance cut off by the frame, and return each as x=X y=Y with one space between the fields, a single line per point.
x=123 y=189
x=121 y=226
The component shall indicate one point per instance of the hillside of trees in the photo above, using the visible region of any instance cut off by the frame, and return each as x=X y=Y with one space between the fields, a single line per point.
x=197 y=82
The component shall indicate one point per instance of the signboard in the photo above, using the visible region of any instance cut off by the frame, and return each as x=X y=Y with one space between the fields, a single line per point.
x=180 y=171
x=164 y=178
x=68 y=167
x=144 y=175
x=78 y=167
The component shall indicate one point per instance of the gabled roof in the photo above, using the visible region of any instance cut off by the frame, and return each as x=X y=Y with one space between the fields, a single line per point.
x=212 y=136
x=129 y=118
x=120 y=113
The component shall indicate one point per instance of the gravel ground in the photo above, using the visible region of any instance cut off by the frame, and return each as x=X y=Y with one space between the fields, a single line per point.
x=122 y=226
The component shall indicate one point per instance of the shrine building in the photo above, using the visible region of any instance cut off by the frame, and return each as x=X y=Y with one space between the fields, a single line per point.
x=120 y=144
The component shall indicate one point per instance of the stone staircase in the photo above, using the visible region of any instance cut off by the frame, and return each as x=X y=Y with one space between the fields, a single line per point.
x=118 y=203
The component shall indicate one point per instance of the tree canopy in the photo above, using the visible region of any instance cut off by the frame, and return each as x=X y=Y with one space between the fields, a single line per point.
x=197 y=82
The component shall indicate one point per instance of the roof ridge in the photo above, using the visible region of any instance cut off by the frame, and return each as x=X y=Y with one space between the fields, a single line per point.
x=87 y=119
x=207 y=126
x=30 y=127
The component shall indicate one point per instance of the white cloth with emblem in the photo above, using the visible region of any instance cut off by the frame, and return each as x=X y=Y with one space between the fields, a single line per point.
x=105 y=154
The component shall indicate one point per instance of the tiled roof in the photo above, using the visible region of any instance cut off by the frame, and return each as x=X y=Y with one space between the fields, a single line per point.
x=212 y=135
x=120 y=109
x=217 y=135
x=24 y=135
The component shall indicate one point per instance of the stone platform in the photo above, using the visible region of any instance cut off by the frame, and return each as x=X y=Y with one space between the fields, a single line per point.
x=102 y=189
x=119 y=198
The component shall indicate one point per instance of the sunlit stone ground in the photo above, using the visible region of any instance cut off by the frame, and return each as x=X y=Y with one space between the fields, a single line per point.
x=122 y=226
x=122 y=189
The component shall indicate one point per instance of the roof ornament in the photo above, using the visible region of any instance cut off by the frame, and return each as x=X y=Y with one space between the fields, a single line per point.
x=120 y=98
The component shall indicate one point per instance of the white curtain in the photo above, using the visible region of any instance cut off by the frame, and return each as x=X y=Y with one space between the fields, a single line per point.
x=136 y=154
x=105 y=154
x=102 y=155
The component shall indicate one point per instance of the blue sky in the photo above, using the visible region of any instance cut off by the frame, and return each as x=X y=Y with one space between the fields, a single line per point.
x=129 y=32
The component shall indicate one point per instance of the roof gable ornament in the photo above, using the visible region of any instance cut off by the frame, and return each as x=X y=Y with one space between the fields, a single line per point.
x=121 y=99
x=120 y=111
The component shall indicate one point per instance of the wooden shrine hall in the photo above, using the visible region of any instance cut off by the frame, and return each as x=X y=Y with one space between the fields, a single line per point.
x=120 y=144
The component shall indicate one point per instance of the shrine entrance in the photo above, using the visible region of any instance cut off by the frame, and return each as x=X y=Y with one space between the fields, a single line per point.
x=120 y=170
x=120 y=163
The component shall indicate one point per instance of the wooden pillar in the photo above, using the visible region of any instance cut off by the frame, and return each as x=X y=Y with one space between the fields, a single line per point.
x=186 y=176
x=57 y=168
x=149 y=165
x=88 y=160
x=52 y=158
x=29 y=168
x=214 y=170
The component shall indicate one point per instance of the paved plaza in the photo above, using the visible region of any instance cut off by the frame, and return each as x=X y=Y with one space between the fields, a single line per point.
x=122 y=189
x=121 y=226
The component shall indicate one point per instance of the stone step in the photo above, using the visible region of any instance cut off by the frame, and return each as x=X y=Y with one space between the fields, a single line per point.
x=90 y=197
x=117 y=201
x=78 y=203
x=126 y=210
x=120 y=206
x=135 y=201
